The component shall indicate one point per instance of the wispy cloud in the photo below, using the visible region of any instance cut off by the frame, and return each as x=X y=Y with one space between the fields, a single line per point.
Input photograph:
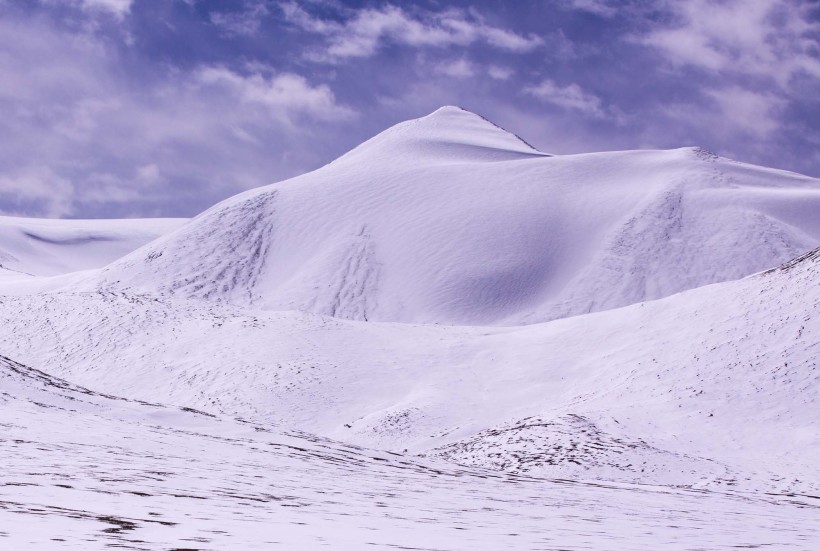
x=245 y=22
x=753 y=60
x=570 y=96
x=118 y=8
x=754 y=113
x=500 y=73
x=37 y=189
x=282 y=96
x=457 y=68
x=605 y=8
x=102 y=140
x=765 y=38
x=362 y=32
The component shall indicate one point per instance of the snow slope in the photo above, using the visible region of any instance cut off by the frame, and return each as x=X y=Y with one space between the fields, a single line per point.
x=688 y=391
x=450 y=219
x=88 y=471
x=43 y=247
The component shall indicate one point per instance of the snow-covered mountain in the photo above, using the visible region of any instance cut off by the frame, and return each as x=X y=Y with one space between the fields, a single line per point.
x=442 y=327
x=42 y=247
x=450 y=219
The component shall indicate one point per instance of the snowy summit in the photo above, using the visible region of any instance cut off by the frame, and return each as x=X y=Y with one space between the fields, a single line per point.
x=451 y=219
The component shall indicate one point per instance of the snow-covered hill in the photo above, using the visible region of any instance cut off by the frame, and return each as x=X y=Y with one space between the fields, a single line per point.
x=694 y=387
x=450 y=219
x=42 y=247
x=304 y=342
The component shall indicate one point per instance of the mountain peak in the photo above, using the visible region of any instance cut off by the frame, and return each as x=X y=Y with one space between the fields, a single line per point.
x=454 y=116
x=450 y=110
x=449 y=133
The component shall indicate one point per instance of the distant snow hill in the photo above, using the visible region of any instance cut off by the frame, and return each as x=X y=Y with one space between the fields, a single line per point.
x=31 y=246
x=450 y=219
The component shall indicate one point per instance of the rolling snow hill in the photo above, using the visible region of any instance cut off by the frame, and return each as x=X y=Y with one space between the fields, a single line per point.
x=450 y=219
x=689 y=391
x=42 y=247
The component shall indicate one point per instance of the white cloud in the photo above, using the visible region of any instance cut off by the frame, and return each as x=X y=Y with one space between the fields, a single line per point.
x=507 y=40
x=756 y=58
x=603 y=8
x=119 y=8
x=499 y=73
x=765 y=38
x=241 y=23
x=570 y=96
x=459 y=68
x=37 y=189
x=366 y=30
x=149 y=174
x=750 y=112
x=282 y=95
x=101 y=139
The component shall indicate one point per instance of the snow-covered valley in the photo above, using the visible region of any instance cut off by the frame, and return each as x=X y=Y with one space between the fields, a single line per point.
x=442 y=340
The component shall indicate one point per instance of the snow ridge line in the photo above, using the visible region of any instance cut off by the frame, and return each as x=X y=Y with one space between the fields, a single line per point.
x=813 y=255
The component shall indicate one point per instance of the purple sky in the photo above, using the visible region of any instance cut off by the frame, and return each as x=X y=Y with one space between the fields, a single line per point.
x=120 y=108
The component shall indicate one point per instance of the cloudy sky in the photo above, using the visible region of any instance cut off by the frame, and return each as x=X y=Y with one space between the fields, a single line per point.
x=122 y=108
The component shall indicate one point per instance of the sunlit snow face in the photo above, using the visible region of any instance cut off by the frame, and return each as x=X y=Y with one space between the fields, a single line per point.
x=129 y=108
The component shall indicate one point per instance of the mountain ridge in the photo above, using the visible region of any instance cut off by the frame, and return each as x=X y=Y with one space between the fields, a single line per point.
x=448 y=134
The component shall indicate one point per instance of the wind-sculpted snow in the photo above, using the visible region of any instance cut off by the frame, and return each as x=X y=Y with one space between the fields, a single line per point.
x=86 y=471
x=450 y=219
x=233 y=250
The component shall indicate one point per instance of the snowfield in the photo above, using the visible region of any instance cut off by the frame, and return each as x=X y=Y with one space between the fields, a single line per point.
x=444 y=339
x=85 y=471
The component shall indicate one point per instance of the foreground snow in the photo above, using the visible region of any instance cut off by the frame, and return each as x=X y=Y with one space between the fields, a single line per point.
x=84 y=471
